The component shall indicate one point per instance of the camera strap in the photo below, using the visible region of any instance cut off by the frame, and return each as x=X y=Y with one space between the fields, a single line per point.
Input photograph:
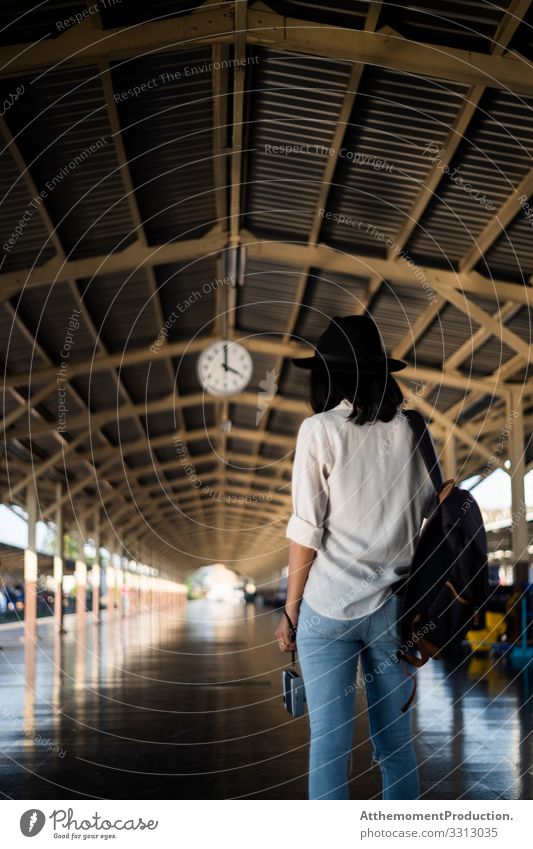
x=292 y=635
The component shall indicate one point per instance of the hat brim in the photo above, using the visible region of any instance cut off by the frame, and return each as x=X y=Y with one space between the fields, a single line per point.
x=319 y=364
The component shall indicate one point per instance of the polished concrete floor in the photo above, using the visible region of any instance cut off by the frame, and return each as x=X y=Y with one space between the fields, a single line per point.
x=185 y=704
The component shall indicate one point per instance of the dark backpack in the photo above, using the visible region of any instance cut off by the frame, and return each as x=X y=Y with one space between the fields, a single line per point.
x=447 y=583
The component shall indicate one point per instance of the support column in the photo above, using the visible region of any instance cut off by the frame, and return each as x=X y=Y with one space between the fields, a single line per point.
x=139 y=587
x=133 y=581
x=141 y=577
x=30 y=569
x=81 y=580
x=450 y=457
x=58 y=563
x=156 y=592
x=96 y=571
x=122 y=576
x=110 y=580
x=129 y=596
x=519 y=530
x=116 y=580
x=150 y=587
x=145 y=590
x=117 y=568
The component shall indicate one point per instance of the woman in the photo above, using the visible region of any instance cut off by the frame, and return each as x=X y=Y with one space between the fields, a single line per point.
x=359 y=491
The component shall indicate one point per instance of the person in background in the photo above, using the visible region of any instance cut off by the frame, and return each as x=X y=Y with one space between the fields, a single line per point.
x=3 y=605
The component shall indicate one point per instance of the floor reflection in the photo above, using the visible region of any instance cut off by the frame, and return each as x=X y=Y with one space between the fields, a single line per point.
x=185 y=703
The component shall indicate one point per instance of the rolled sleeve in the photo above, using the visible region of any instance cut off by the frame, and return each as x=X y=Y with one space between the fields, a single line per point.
x=310 y=493
x=304 y=532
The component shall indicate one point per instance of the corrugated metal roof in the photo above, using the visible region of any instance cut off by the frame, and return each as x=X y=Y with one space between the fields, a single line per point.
x=197 y=418
x=494 y=156
x=116 y=14
x=522 y=42
x=100 y=391
x=266 y=299
x=25 y=21
x=62 y=129
x=443 y=397
x=17 y=353
x=443 y=338
x=167 y=130
x=466 y=24
x=395 y=309
x=120 y=430
x=188 y=295
x=327 y=295
x=146 y=380
x=345 y=13
x=294 y=108
x=284 y=423
x=53 y=316
x=123 y=309
x=382 y=164
x=30 y=246
x=167 y=133
x=511 y=256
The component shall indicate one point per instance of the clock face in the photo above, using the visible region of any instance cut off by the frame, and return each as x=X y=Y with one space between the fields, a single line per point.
x=224 y=368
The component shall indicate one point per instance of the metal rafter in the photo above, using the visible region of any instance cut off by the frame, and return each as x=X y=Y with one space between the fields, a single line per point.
x=116 y=133
x=227 y=302
x=216 y=25
x=508 y=26
x=497 y=224
x=134 y=446
x=479 y=315
x=327 y=258
x=220 y=89
x=343 y=120
x=275 y=347
x=26 y=177
x=165 y=404
x=199 y=460
x=122 y=390
x=279 y=402
x=319 y=256
x=506 y=29
x=447 y=289
x=54 y=238
x=131 y=258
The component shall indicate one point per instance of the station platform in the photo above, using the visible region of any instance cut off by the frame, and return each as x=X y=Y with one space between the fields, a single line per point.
x=185 y=704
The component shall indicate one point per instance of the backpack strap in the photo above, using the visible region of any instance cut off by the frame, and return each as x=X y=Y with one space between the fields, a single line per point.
x=425 y=446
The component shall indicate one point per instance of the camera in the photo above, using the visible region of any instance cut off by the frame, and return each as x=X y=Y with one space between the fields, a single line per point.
x=293 y=692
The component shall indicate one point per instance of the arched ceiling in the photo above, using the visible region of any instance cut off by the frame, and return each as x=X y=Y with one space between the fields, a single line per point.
x=359 y=157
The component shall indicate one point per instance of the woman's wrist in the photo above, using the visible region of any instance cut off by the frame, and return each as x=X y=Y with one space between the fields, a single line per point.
x=292 y=609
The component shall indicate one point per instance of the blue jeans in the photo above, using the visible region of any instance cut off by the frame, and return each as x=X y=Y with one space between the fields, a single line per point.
x=328 y=650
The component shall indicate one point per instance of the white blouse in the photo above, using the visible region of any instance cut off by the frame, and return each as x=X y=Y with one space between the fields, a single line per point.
x=358 y=493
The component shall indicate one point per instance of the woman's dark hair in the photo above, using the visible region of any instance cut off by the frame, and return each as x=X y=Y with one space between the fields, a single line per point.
x=374 y=397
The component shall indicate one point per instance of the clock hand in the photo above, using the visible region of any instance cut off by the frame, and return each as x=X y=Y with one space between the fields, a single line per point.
x=234 y=370
x=225 y=363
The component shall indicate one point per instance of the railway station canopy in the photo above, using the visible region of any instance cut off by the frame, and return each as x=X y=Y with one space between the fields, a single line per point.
x=177 y=174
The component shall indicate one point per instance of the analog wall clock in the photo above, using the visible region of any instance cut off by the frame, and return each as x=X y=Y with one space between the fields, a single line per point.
x=224 y=368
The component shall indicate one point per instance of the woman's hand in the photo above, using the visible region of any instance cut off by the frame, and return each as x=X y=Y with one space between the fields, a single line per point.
x=283 y=635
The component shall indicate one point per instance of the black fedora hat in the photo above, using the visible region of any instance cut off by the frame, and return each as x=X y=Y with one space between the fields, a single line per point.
x=351 y=343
